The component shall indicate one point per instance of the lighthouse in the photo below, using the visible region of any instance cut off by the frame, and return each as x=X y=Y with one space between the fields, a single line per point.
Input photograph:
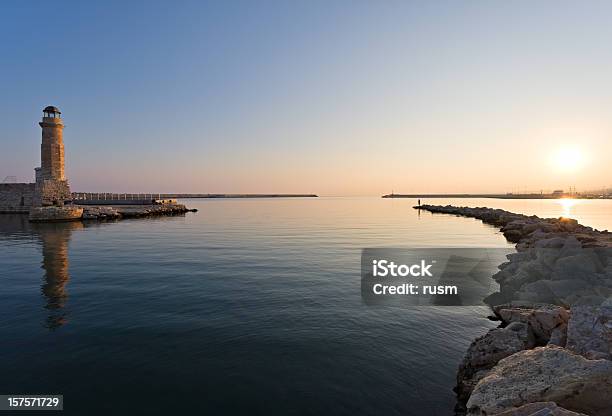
x=44 y=199
x=51 y=184
x=52 y=146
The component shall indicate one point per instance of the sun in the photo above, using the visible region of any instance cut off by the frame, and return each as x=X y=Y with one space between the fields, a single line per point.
x=568 y=159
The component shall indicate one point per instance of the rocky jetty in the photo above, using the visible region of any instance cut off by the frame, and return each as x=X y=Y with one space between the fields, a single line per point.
x=112 y=212
x=552 y=353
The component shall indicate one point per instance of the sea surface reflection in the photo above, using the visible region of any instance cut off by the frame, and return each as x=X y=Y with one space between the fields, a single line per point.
x=53 y=240
x=247 y=306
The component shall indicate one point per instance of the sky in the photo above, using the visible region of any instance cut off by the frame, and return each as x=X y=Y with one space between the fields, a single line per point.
x=331 y=97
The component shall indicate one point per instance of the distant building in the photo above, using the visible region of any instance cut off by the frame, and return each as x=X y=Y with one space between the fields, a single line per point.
x=50 y=186
x=558 y=192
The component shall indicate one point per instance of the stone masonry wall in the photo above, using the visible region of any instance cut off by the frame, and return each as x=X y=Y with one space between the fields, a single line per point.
x=52 y=150
x=50 y=214
x=16 y=197
x=51 y=192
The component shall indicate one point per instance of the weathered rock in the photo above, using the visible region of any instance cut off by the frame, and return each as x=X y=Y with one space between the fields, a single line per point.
x=542 y=318
x=559 y=292
x=589 y=331
x=553 y=242
x=530 y=272
x=487 y=350
x=100 y=212
x=568 y=224
x=541 y=375
x=584 y=262
x=514 y=236
x=540 y=409
x=558 y=336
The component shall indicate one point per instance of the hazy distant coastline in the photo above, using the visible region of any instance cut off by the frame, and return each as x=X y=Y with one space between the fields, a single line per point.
x=504 y=196
x=240 y=196
x=108 y=195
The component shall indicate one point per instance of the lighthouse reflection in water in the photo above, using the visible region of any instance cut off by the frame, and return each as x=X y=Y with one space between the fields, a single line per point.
x=55 y=262
x=53 y=241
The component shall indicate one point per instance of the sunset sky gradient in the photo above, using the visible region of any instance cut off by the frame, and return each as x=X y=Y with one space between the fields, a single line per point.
x=327 y=97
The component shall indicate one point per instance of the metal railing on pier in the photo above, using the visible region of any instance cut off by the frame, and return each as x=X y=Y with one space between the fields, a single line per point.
x=105 y=196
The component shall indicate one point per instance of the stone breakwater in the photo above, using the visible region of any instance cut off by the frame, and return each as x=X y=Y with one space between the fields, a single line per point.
x=132 y=211
x=551 y=354
x=100 y=213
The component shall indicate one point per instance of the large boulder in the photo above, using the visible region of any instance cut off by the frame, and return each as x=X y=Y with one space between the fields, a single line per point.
x=568 y=224
x=528 y=271
x=542 y=318
x=552 y=242
x=545 y=374
x=589 y=331
x=558 y=292
x=487 y=350
x=539 y=409
x=514 y=236
x=577 y=266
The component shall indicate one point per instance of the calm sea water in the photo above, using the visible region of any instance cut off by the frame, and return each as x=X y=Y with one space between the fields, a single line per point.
x=246 y=307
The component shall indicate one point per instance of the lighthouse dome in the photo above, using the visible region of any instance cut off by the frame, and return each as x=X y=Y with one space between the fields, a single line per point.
x=52 y=112
x=52 y=109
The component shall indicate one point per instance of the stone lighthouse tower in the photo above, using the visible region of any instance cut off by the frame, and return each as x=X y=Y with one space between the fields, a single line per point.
x=52 y=147
x=51 y=184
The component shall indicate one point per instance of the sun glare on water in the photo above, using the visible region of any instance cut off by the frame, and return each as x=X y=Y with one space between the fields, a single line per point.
x=566 y=206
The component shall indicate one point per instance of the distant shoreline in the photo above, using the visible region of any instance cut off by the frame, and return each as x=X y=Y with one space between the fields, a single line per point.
x=108 y=195
x=497 y=196
x=243 y=195
x=240 y=195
